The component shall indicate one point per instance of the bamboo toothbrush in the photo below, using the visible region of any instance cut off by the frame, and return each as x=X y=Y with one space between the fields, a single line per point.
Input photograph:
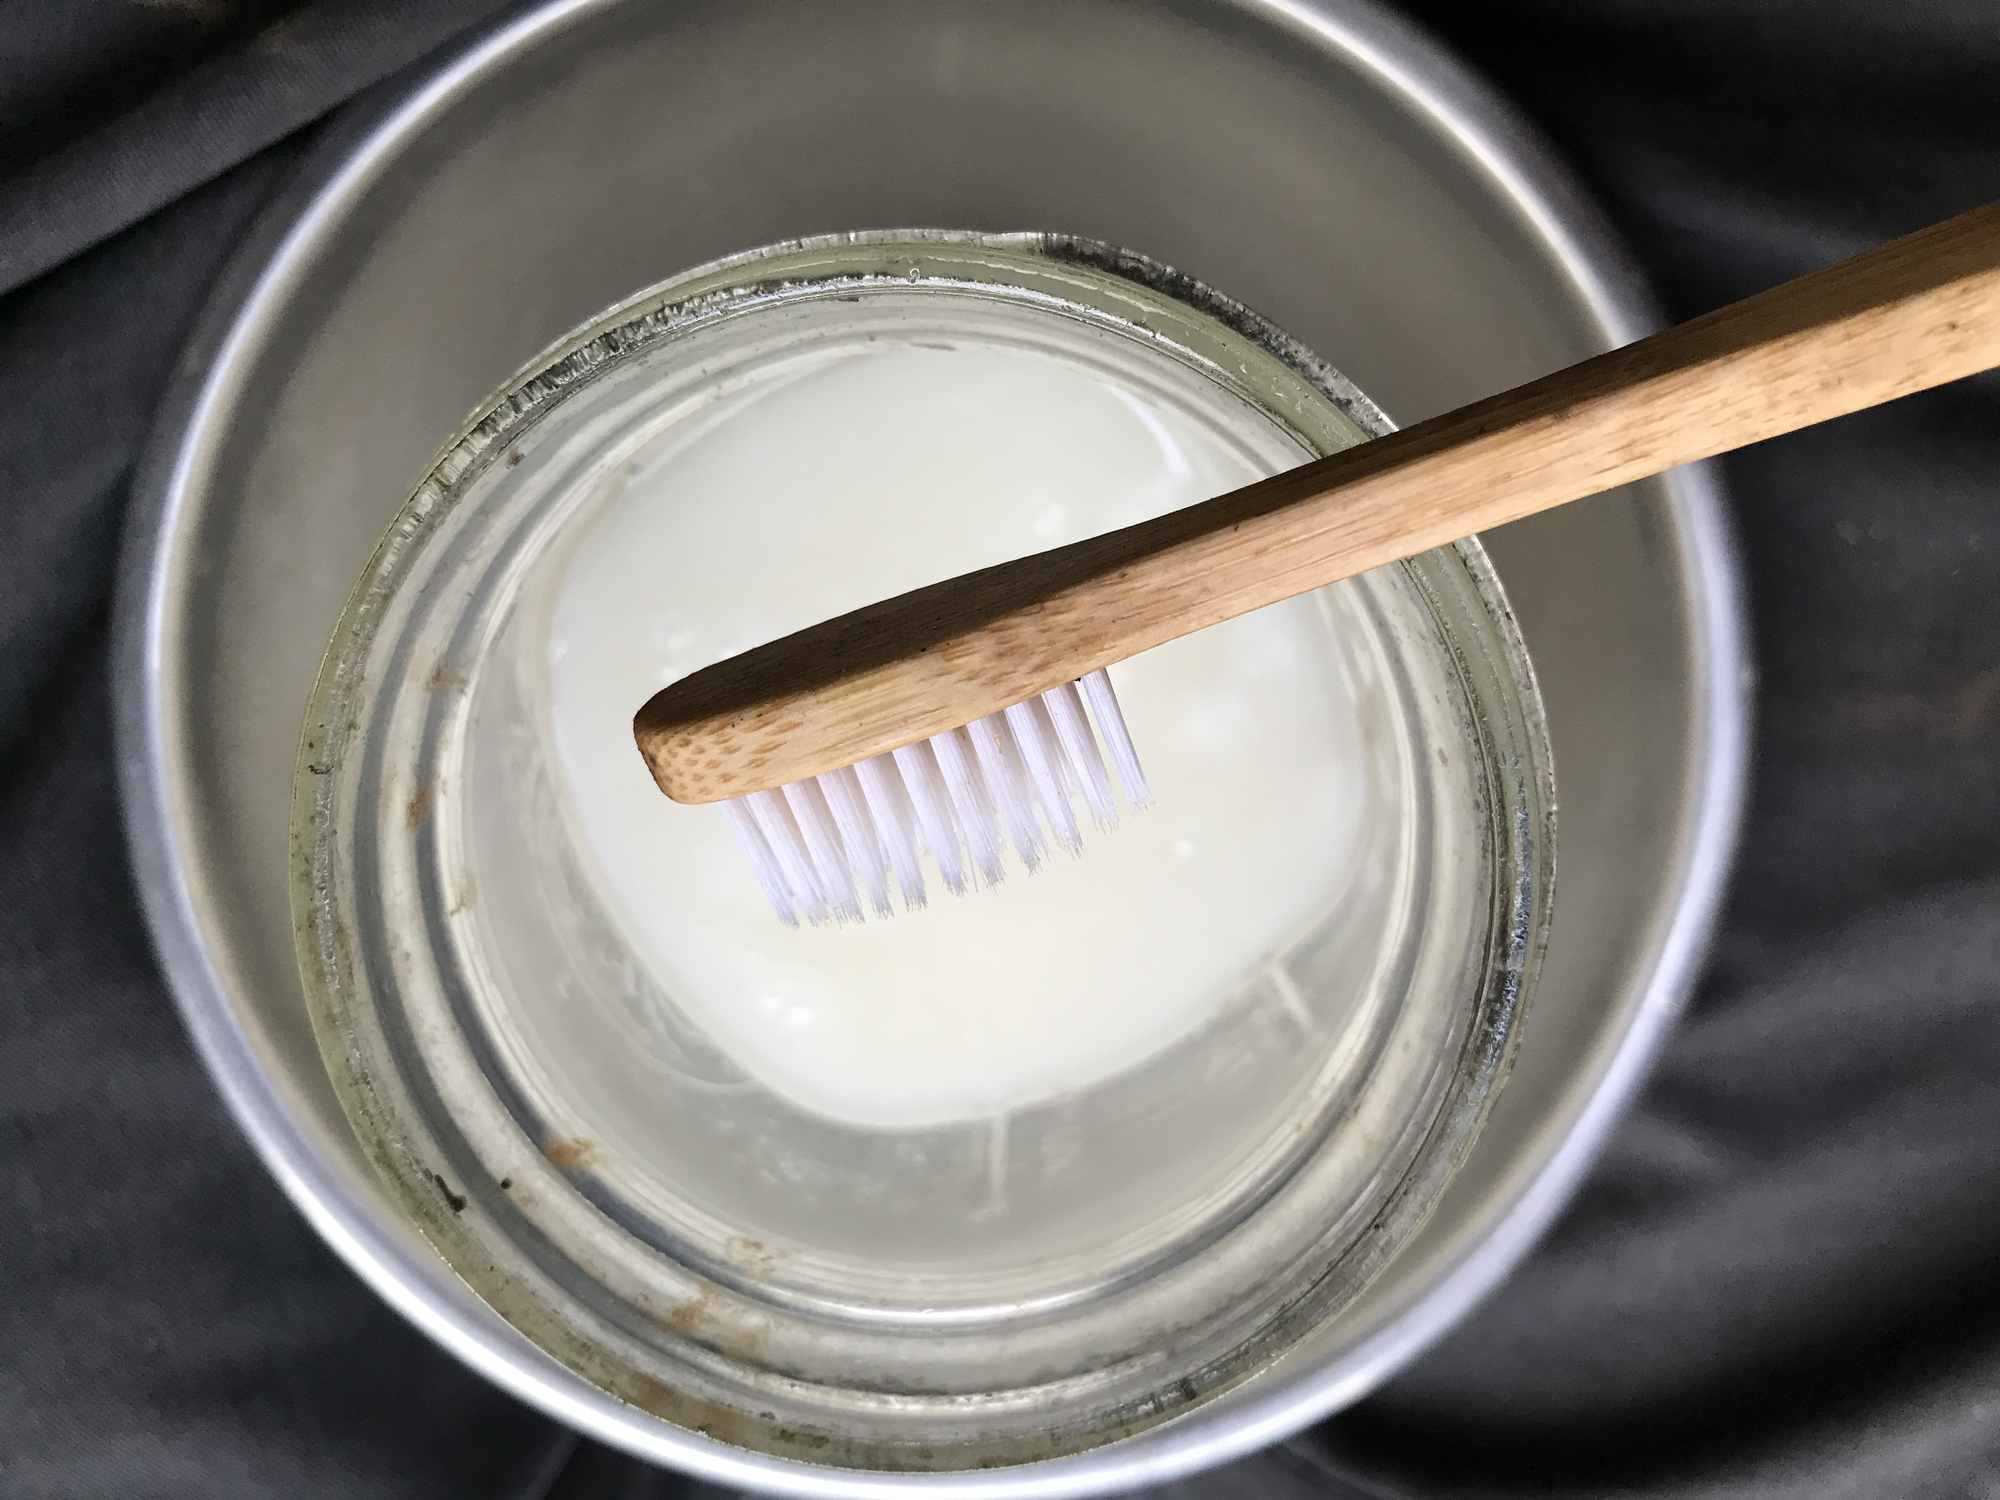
x=959 y=714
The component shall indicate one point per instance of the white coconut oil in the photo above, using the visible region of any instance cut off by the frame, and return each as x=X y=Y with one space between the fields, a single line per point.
x=859 y=476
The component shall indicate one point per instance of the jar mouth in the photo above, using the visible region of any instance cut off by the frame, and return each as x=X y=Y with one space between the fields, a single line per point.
x=808 y=1338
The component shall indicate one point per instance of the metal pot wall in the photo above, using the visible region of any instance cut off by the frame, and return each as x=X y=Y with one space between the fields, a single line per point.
x=1319 y=161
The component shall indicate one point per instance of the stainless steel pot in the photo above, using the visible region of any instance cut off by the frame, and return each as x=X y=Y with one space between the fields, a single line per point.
x=1318 y=160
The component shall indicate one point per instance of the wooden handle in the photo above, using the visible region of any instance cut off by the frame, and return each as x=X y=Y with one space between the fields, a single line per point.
x=1916 y=313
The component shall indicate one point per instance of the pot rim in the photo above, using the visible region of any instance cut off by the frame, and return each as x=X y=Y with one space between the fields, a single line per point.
x=418 y=1284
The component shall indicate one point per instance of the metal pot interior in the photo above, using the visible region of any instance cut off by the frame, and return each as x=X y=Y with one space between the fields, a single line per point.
x=1318 y=162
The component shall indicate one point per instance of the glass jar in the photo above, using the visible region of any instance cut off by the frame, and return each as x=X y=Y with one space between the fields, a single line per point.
x=562 y=1081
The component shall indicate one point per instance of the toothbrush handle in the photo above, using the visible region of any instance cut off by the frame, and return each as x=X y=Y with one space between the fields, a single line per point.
x=1915 y=313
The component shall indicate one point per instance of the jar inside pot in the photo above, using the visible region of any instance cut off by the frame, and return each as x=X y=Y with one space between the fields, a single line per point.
x=1005 y=1177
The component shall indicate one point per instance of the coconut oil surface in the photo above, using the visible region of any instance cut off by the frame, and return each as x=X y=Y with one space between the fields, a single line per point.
x=858 y=476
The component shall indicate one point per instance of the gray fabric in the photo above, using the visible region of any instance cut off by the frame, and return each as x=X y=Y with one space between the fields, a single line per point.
x=1776 y=1283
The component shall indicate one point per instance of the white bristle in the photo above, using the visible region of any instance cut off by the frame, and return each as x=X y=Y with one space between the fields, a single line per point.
x=823 y=847
x=769 y=876
x=925 y=784
x=842 y=790
x=1035 y=734
x=788 y=852
x=1007 y=786
x=1065 y=707
x=895 y=820
x=820 y=846
x=970 y=804
x=1117 y=738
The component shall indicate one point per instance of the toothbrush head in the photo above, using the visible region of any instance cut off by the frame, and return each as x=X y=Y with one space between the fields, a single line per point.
x=827 y=847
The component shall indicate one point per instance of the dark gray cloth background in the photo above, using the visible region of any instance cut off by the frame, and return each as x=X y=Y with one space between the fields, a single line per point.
x=1780 y=1281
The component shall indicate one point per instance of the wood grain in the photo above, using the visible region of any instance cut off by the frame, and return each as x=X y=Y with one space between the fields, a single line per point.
x=1915 y=313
